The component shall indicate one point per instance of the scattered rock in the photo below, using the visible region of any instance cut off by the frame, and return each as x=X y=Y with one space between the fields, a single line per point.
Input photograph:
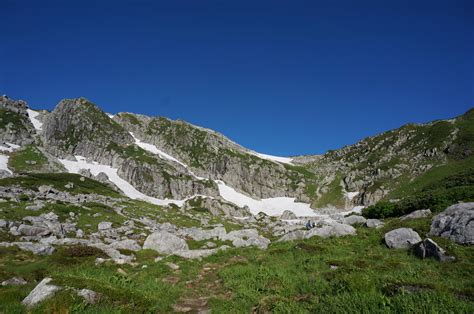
x=15 y=281
x=374 y=223
x=293 y=235
x=173 y=266
x=401 y=238
x=333 y=230
x=90 y=296
x=128 y=244
x=70 y=185
x=41 y=292
x=164 y=242
x=422 y=213
x=288 y=215
x=104 y=225
x=429 y=248
x=354 y=220
x=455 y=223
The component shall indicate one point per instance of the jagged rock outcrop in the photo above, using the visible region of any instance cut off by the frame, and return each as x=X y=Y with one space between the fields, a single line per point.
x=15 y=126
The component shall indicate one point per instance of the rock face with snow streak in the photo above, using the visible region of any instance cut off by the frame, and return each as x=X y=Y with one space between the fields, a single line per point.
x=455 y=223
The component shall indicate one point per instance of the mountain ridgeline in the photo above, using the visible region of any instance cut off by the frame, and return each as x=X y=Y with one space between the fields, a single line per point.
x=191 y=159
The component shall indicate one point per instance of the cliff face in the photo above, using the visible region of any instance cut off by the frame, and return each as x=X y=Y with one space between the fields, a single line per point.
x=174 y=159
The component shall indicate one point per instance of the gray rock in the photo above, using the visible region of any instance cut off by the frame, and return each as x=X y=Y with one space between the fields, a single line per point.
x=354 y=220
x=429 y=248
x=374 y=223
x=203 y=234
x=173 y=266
x=164 y=242
x=33 y=231
x=288 y=215
x=35 y=207
x=332 y=230
x=41 y=292
x=401 y=238
x=90 y=296
x=15 y=281
x=293 y=235
x=70 y=185
x=193 y=254
x=422 y=213
x=128 y=244
x=455 y=223
x=3 y=223
x=104 y=225
x=35 y=248
x=246 y=237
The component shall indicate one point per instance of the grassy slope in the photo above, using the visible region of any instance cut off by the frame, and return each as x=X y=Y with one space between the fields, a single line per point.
x=292 y=277
x=58 y=181
x=21 y=160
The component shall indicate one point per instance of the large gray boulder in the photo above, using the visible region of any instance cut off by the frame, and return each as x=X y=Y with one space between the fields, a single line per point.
x=127 y=244
x=164 y=242
x=401 y=238
x=293 y=235
x=354 y=220
x=332 y=230
x=422 y=213
x=374 y=223
x=41 y=292
x=455 y=223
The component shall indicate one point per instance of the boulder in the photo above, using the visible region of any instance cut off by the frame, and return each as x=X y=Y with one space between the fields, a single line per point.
x=334 y=229
x=41 y=292
x=90 y=296
x=199 y=234
x=128 y=244
x=354 y=220
x=15 y=281
x=422 y=213
x=246 y=237
x=293 y=235
x=164 y=242
x=288 y=215
x=104 y=225
x=455 y=223
x=401 y=238
x=3 y=223
x=429 y=248
x=374 y=223
x=32 y=230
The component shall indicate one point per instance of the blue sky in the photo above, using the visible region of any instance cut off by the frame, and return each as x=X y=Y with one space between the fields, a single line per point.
x=279 y=77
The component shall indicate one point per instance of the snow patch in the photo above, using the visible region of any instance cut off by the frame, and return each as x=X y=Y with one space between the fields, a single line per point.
x=284 y=160
x=270 y=206
x=38 y=125
x=123 y=185
x=10 y=147
x=111 y=116
x=4 y=163
x=351 y=195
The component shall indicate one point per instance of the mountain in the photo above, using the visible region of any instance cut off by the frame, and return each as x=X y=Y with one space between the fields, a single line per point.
x=123 y=213
x=166 y=159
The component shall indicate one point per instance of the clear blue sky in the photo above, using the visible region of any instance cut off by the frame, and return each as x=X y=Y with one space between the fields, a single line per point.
x=281 y=77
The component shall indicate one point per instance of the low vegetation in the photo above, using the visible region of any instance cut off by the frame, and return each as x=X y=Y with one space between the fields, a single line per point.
x=339 y=275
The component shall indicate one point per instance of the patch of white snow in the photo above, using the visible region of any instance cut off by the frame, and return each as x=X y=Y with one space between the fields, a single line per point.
x=36 y=123
x=4 y=163
x=123 y=185
x=284 y=160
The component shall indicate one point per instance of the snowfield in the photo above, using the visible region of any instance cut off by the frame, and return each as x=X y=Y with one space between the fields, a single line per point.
x=4 y=163
x=123 y=185
x=270 y=206
x=10 y=147
x=36 y=123
x=285 y=160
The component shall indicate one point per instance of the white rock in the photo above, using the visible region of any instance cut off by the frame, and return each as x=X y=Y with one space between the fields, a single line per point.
x=41 y=292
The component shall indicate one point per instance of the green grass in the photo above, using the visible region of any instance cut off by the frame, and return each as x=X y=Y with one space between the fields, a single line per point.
x=58 y=181
x=10 y=117
x=333 y=196
x=292 y=277
x=21 y=160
